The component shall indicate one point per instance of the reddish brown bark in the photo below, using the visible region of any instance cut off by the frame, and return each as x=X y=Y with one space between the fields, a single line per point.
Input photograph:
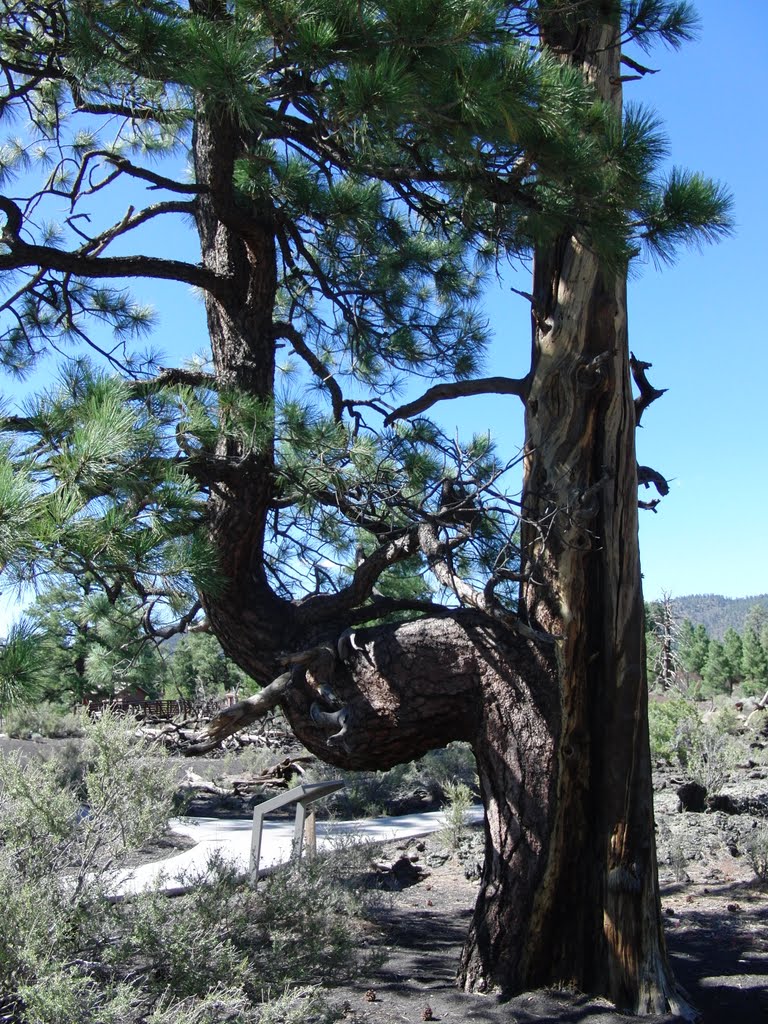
x=568 y=893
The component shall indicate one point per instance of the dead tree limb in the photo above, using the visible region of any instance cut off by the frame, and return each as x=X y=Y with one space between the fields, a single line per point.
x=648 y=393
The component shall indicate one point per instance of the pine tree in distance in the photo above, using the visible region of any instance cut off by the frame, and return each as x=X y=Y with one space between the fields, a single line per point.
x=356 y=171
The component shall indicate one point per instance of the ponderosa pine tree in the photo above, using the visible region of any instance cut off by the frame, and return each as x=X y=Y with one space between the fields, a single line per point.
x=92 y=646
x=754 y=656
x=694 y=644
x=356 y=169
x=733 y=649
x=714 y=672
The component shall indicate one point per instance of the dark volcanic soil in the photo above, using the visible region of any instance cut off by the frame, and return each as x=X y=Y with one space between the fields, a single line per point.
x=716 y=918
x=717 y=934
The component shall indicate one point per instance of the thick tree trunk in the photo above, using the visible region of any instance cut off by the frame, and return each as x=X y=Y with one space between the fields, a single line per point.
x=569 y=890
x=594 y=921
x=238 y=245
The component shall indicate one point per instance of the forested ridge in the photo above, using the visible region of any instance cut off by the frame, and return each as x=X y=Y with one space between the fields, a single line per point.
x=715 y=612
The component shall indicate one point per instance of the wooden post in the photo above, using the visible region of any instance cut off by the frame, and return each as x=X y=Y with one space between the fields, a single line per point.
x=310 y=831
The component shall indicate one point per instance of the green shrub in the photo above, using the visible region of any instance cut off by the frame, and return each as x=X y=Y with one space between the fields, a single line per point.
x=757 y=853
x=70 y=954
x=707 y=750
x=294 y=1006
x=757 y=722
x=454 y=763
x=182 y=946
x=49 y=720
x=66 y=996
x=459 y=802
x=712 y=756
x=367 y=794
x=727 y=721
x=298 y=927
x=667 y=722
x=751 y=688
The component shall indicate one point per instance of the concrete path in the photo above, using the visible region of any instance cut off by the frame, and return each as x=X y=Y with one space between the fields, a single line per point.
x=231 y=838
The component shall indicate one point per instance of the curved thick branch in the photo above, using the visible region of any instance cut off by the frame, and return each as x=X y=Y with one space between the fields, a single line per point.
x=438 y=556
x=461 y=389
x=378 y=607
x=135 y=113
x=316 y=365
x=180 y=626
x=13 y=220
x=132 y=220
x=171 y=376
x=159 y=180
x=19 y=424
x=319 y=607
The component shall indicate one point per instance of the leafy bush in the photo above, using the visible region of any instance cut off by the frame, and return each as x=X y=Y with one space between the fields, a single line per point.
x=294 y=1006
x=726 y=720
x=751 y=688
x=712 y=756
x=368 y=794
x=299 y=925
x=667 y=722
x=757 y=721
x=757 y=853
x=707 y=749
x=459 y=801
x=49 y=720
x=71 y=954
x=253 y=759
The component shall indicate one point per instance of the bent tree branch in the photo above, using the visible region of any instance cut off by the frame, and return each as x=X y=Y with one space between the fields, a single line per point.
x=23 y=256
x=460 y=389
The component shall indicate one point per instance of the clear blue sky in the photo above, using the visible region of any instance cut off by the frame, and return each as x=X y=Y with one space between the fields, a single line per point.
x=701 y=323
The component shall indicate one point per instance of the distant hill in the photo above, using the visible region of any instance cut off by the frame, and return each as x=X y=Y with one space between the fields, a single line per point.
x=715 y=612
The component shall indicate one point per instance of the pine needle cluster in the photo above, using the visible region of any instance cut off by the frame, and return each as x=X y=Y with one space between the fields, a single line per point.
x=395 y=153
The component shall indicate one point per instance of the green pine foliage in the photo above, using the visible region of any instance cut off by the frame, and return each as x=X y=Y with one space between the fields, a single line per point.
x=669 y=722
x=89 y=646
x=702 y=665
x=398 y=153
x=733 y=651
x=21 y=657
x=93 y=647
x=197 y=669
x=715 y=670
x=754 y=659
x=694 y=646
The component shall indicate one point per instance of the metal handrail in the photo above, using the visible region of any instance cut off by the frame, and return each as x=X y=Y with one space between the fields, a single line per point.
x=302 y=795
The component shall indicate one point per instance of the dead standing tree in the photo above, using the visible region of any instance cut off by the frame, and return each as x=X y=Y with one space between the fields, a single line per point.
x=324 y=199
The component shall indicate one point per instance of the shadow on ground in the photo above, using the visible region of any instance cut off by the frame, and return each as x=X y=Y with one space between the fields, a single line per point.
x=720 y=957
x=718 y=946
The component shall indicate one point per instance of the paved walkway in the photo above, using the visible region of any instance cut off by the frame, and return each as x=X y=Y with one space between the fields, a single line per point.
x=231 y=838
